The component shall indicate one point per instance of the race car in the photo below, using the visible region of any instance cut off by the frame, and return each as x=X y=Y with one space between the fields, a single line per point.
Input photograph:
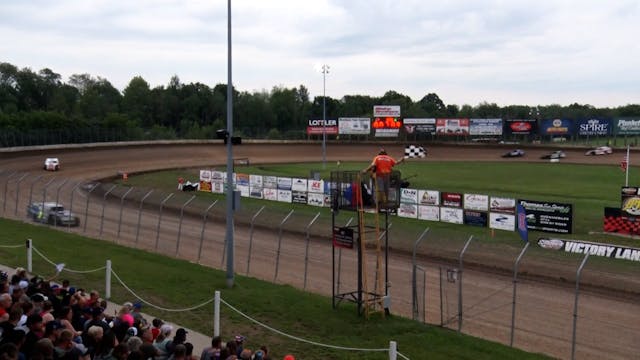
x=514 y=153
x=558 y=154
x=52 y=164
x=600 y=150
x=52 y=213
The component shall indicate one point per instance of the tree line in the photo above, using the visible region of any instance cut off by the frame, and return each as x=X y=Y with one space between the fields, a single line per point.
x=41 y=101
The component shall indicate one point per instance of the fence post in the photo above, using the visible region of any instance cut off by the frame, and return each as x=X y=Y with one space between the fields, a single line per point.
x=140 y=216
x=107 y=281
x=253 y=220
x=575 y=306
x=104 y=201
x=31 y=188
x=414 y=277
x=340 y=259
x=55 y=221
x=466 y=245
x=30 y=255
x=86 y=207
x=6 y=184
x=204 y=223
x=121 y=206
x=15 y=213
x=275 y=277
x=71 y=202
x=180 y=224
x=441 y=302
x=393 y=350
x=216 y=314
x=515 y=281
x=160 y=218
x=306 y=251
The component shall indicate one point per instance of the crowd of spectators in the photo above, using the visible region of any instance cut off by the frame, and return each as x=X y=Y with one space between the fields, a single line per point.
x=43 y=320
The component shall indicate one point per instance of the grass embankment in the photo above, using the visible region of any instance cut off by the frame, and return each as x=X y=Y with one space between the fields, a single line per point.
x=177 y=284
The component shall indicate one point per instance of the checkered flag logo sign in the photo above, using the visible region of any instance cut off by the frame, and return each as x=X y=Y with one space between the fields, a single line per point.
x=413 y=151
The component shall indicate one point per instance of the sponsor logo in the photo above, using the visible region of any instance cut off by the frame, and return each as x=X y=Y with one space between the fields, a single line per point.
x=520 y=126
x=593 y=126
x=628 y=124
x=321 y=122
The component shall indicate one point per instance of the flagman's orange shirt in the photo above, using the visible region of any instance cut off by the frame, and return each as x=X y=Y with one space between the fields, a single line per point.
x=384 y=164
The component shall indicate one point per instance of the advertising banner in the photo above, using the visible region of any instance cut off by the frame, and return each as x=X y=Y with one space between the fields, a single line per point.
x=343 y=237
x=205 y=186
x=429 y=197
x=242 y=179
x=299 y=197
x=284 y=183
x=299 y=184
x=255 y=192
x=315 y=127
x=485 y=127
x=502 y=205
x=475 y=218
x=451 y=199
x=627 y=126
x=594 y=127
x=243 y=189
x=270 y=182
x=548 y=216
x=520 y=126
x=205 y=175
x=217 y=176
x=386 y=110
x=408 y=210
x=428 y=212
x=354 y=126
x=617 y=221
x=284 y=196
x=425 y=126
x=451 y=215
x=217 y=187
x=315 y=186
x=586 y=247
x=255 y=180
x=315 y=199
x=476 y=202
x=409 y=196
x=502 y=221
x=270 y=194
x=630 y=200
x=452 y=126
x=556 y=127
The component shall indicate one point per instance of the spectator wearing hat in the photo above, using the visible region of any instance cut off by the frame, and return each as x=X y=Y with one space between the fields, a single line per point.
x=136 y=312
x=96 y=319
x=161 y=342
x=239 y=340
x=19 y=293
x=178 y=339
x=52 y=330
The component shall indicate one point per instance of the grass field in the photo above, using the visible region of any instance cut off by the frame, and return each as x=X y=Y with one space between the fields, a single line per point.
x=176 y=284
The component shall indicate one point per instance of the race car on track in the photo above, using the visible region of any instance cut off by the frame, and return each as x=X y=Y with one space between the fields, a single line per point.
x=52 y=213
x=52 y=164
x=558 y=154
x=600 y=150
x=514 y=153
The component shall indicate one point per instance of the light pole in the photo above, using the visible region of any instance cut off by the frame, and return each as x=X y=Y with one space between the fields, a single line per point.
x=230 y=194
x=325 y=71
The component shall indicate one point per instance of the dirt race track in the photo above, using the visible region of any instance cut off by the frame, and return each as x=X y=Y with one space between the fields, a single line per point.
x=608 y=326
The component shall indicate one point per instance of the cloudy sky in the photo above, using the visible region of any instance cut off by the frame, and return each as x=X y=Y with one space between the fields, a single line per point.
x=507 y=52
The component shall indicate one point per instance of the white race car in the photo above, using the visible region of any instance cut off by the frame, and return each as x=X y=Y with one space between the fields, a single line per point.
x=52 y=164
x=600 y=150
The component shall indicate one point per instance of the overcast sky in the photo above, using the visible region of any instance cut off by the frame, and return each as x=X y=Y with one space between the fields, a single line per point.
x=507 y=52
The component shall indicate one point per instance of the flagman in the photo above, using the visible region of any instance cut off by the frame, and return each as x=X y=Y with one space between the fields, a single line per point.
x=382 y=166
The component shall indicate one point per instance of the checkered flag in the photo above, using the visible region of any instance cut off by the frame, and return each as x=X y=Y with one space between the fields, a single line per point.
x=413 y=151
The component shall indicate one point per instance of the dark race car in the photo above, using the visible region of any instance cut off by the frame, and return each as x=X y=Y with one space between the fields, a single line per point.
x=514 y=153
x=556 y=155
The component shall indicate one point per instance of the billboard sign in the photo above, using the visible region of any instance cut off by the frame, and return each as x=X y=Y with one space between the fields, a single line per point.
x=452 y=127
x=548 y=216
x=423 y=126
x=627 y=126
x=485 y=127
x=588 y=127
x=354 y=126
x=556 y=127
x=520 y=126
x=386 y=111
x=319 y=127
x=451 y=199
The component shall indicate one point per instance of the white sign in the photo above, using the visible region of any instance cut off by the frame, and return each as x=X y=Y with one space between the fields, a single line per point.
x=451 y=215
x=354 y=126
x=386 y=110
x=255 y=180
x=409 y=196
x=270 y=194
x=255 y=192
x=315 y=199
x=299 y=184
x=502 y=221
x=428 y=197
x=270 y=182
x=205 y=175
x=217 y=176
x=476 y=202
x=387 y=132
x=217 y=187
x=428 y=212
x=284 y=195
x=244 y=190
x=502 y=205
x=315 y=186
x=408 y=210
x=284 y=183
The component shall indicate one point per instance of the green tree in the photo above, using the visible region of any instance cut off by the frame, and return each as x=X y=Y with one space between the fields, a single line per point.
x=136 y=101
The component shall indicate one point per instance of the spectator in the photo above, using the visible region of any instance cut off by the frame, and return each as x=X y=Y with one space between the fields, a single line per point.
x=178 y=339
x=162 y=341
x=17 y=337
x=92 y=338
x=52 y=330
x=259 y=355
x=179 y=353
x=46 y=313
x=147 y=336
x=5 y=306
x=35 y=333
x=43 y=351
x=9 y=352
x=65 y=318
x=155 y=330
x=14 y=317
x=134 y=343
x=65 y=348
x=189 y=354
x=120 y=352
x=136 y=313
x=105 y=346
x=239 y=340
x=212 y=352
x=149 y=352
x=245 y=354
